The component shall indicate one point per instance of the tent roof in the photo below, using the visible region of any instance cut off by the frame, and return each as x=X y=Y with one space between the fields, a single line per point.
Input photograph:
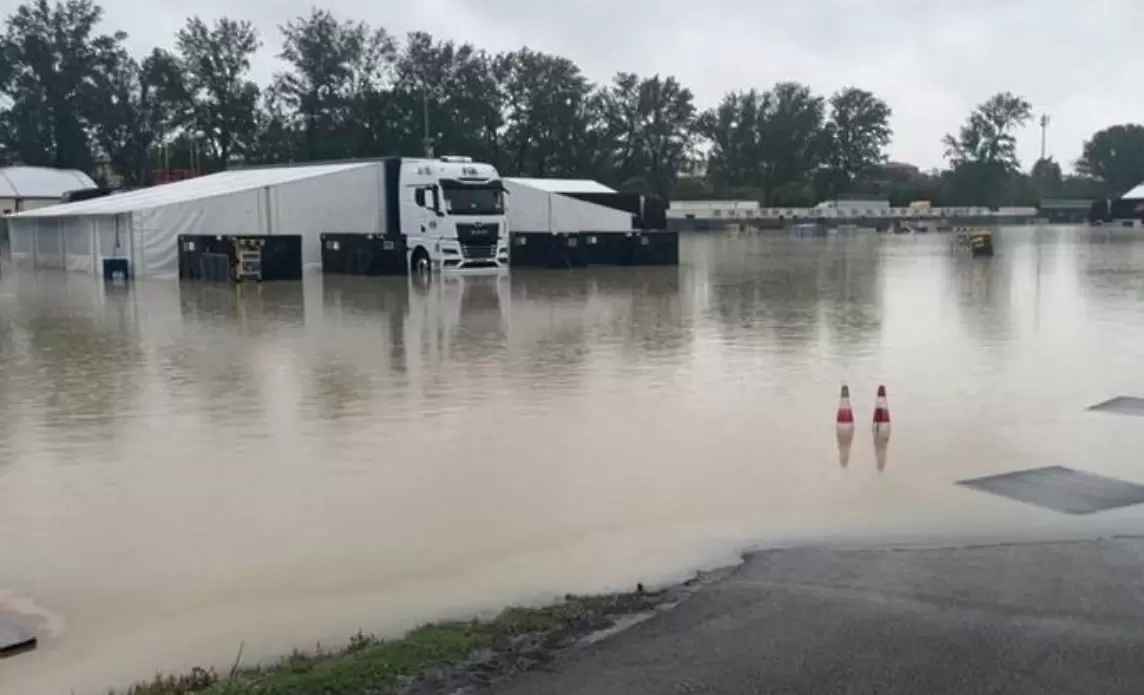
x=563 y=185
x=41 y=182
x=212 y=185
x=1135 y=194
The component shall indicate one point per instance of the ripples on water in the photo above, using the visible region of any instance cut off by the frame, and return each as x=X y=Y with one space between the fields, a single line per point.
x=186 y=468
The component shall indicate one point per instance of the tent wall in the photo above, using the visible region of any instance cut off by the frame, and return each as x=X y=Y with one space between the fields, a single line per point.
x=529 y=210
x=345 y=202
x=155 y=231
x=532 y=210
x=570 y=215
x=68 y=243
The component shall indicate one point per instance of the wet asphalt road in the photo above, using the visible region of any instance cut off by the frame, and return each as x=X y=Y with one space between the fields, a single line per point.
x=1034 y=618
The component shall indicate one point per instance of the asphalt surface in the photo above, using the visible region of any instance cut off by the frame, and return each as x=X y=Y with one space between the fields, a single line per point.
x=1013 y=619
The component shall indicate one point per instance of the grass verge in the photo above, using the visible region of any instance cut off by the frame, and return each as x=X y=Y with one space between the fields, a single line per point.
x=434 y=658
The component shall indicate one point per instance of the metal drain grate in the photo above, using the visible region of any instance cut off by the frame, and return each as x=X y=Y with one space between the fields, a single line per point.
x=1121 y=405
x=14 y=640
x=1061 y=489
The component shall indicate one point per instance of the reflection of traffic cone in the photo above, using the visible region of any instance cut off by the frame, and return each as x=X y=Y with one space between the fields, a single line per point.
x=881 y=415
x=881 y=445
x=844 y=426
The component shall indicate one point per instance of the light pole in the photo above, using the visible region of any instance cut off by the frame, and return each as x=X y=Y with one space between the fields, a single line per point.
x=426 y=140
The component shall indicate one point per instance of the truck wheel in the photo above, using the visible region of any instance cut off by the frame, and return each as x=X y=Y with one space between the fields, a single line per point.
x=419 y=264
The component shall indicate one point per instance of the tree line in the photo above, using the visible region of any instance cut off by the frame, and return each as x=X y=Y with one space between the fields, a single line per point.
x=72 y=96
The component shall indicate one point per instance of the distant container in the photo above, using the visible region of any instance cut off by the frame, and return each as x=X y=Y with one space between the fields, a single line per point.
x=364 y=254
x=228 y=258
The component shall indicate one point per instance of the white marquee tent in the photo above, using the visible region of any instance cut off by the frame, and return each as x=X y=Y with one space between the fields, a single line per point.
x=143 y=226
x=26 y=188
x=546 y=206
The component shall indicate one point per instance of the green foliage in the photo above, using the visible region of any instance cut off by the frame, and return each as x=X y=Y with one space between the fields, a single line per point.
x=773 y=141
x=54 y=63
x=221 y=99
x=855 y=138
x=983 y=154
x=1114 y=157
x=370 y=665
x=72 y=96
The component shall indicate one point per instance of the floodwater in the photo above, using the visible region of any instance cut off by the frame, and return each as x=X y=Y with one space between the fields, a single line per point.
x=187 y=470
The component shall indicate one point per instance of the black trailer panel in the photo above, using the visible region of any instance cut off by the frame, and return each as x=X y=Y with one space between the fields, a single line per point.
x=364 y=254
x=633 y=248
x=548 y=250
x=234 y=258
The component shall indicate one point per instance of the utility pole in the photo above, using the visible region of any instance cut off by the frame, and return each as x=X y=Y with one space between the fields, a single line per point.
x=427 y=140
x=1044 y=127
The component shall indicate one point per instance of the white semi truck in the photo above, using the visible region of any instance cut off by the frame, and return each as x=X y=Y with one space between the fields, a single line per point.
x=445 y=214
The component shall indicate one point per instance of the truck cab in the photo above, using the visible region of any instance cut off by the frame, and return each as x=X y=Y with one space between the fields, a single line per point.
x=453 y=215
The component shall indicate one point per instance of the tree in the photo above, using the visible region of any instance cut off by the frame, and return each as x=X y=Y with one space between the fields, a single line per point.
x=53 y=59
x=772 y=141
x=451 y=89
x=855 y=137
x=222 y=100
x=331 y=64
x=984 y=152
x=548 y=112
x=734 y=128
x=1046 y=178
x=648 y=130
x=792 y=141
x=276 y=140
x=1115 y=157
x=136 y=108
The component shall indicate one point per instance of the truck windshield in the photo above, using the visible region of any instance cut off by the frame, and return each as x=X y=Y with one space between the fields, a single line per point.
x=473 y=200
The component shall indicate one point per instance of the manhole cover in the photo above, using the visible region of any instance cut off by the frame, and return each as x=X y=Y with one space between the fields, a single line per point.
x=14 y=641
x=1121 y=405
x=1061 y=489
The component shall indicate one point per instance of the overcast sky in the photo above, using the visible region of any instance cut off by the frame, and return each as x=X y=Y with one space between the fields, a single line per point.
x=932 y=60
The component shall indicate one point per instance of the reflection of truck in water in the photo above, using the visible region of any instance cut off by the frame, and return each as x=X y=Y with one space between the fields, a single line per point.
x=420 y=321
x=455 y=311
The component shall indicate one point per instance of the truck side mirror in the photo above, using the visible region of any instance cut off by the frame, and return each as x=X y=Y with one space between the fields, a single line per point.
x=437 y=203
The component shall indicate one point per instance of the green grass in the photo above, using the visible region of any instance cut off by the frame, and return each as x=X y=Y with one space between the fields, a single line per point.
x=368 y=666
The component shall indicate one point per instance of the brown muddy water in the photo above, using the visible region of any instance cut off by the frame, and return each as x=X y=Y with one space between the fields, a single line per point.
x=184 y=470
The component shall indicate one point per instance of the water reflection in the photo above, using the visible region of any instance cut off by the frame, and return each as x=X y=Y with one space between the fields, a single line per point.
x=791 y=289
x=253 y=307
x=187 y=467
x=981 y=288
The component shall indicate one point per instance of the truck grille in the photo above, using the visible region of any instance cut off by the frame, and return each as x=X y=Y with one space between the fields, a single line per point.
x=477 y=234
x=475 y=251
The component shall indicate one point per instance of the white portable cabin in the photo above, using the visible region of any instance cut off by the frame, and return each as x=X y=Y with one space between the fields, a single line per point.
x=538 y=206
x=143 y=226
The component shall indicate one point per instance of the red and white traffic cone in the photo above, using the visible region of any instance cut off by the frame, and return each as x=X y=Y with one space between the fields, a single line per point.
x=844 y=426
x=881 y=415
